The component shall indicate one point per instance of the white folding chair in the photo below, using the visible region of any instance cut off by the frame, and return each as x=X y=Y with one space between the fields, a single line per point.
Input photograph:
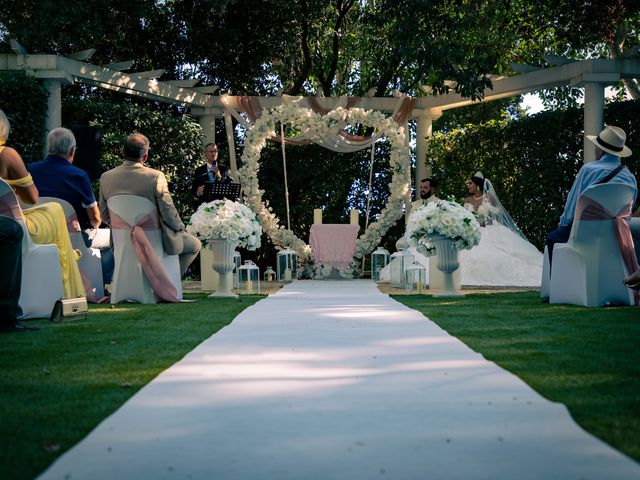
x=129 y=281
x=41 y=284
x=589 y=269
x=90 y=263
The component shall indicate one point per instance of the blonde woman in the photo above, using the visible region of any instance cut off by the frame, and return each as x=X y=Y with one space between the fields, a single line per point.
x=46 y=223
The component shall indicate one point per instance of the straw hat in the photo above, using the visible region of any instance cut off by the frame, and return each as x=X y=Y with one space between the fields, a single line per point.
x=611 y=140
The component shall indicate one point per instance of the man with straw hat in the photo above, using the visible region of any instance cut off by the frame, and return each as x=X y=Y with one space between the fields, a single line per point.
x=610 y=147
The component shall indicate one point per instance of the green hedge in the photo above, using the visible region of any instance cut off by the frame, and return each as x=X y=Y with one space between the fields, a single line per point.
x=24 y=101
x=531 y=162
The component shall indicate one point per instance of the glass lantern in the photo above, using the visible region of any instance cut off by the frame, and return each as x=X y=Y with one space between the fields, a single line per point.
x=395 y=268
x=249 y=278
x=379 y=260
x=269 y=275
x=237 y=261
x=287 y=265
x=401 y=260
x=415 y=278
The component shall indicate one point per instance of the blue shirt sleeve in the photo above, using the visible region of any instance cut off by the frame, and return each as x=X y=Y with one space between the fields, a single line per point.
x=86 y=192
x=572 y=199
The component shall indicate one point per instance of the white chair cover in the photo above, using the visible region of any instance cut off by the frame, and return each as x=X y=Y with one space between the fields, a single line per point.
x=129 y=281
x=589 y=269
x=90 y=263
x=546 y=274
x=41 y=284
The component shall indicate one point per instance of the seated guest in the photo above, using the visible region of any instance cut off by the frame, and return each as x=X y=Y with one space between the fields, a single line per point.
x=10 y=275
x=212 y=171
x=134 y=178
x=610 y=147
x=55 y=176
x=46 y=223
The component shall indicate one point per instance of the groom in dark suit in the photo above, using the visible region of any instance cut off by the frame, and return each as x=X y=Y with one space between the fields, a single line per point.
x=212 y=171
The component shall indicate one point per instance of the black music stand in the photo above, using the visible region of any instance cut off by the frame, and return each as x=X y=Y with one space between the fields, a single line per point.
x=220 y=191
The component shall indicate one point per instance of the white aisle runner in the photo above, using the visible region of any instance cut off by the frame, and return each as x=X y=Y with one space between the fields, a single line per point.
x=334 y=380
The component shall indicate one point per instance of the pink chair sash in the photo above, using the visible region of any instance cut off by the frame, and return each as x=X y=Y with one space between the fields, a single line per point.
x=72 y=223
x=9 y=206
x=589 y=209
x=149 y=260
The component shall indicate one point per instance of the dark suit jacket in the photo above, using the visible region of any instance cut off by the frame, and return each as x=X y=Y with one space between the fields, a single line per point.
x=201 y=176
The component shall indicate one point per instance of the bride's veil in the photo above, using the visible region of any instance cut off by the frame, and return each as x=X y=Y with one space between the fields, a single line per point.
x=498 y=212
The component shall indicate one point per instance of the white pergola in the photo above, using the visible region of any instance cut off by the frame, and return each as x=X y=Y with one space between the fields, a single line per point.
x=54 y=71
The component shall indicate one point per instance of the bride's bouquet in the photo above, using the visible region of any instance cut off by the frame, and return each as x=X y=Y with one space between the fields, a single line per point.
x=228 y=220
x=446 y=218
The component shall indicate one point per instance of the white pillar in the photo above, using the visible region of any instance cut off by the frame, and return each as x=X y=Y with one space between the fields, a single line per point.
x=233 y=165
x=424 y=126
x=593 y=116
x=208 y=125
x=54 y=107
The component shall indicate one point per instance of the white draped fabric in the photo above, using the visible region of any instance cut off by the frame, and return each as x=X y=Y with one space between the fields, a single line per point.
x=341 y=141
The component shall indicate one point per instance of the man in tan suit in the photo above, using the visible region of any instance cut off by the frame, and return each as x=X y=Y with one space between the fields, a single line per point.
x=428 y=193
x=134 y=178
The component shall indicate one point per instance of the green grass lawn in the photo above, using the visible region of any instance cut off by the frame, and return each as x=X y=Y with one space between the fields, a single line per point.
x=58 y=383
x=588 y=359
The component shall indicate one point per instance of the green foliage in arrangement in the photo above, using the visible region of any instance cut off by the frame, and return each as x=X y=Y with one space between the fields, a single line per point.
x=531 y=162
x=176 y=139
x=584 y=358
x=24 y=101
x=59 y=383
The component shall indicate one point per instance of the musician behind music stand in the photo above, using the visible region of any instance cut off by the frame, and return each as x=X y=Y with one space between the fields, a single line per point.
x=220 y=191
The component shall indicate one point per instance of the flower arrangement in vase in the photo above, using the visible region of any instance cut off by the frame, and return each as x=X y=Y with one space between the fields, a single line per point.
x=222 y=225
x=446 y=218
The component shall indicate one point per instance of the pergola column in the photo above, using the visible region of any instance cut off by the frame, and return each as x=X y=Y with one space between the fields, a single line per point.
x=424 y=130
x=233 y=165
x=54 y=107
x=208 y=124
x=593 y=116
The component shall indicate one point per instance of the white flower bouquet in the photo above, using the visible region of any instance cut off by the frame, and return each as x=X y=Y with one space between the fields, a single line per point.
x=445 y=218
x=226 y=219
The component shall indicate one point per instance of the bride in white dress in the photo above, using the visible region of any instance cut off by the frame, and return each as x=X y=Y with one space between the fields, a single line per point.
x=504 y=256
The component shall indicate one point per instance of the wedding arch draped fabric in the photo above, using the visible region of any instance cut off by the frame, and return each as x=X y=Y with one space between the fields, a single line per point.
x=323 y=129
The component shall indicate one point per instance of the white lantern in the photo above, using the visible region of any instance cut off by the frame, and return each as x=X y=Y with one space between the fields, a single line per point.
x=415 y=278
x=237 y=260
x=269 y=275
x=379 y=260
x=249 y=278
x=287 y=265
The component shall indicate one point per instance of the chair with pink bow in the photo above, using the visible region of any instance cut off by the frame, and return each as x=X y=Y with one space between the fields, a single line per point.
x=590 y=268
x=144 y=273
x=90 y=263
x=41 y=284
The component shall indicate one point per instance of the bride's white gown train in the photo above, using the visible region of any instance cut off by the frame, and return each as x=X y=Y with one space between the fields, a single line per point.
x=502 y=258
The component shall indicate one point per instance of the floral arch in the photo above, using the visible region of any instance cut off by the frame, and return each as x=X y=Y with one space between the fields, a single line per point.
x=316 y=127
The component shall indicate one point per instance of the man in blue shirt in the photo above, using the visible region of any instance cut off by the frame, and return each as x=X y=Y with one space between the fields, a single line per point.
x=610 y=146
x=55 y=176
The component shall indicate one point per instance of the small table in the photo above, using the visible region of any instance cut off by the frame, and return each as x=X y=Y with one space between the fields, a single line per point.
x=333 y=244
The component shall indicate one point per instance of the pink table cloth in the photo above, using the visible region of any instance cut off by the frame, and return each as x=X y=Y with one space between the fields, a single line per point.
x=333 y=244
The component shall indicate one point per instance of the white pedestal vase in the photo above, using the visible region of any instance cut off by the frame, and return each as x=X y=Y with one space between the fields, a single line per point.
x=447 y=256
x=223 y=263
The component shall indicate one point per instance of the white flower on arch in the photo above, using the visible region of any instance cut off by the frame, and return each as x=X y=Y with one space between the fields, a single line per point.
x=316 y=127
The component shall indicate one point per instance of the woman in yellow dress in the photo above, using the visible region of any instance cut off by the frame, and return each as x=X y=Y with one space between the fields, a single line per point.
x=46 y=223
